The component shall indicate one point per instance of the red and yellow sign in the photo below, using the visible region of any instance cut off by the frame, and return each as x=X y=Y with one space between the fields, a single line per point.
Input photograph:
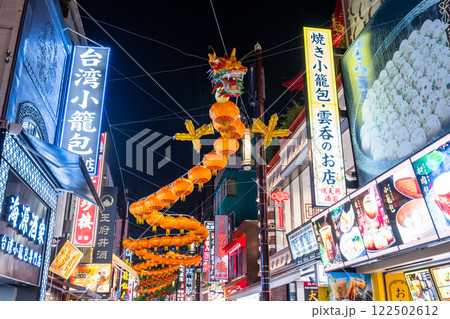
x=96 y=277
x=66 y=260
x=323 y=116
x=397 y=288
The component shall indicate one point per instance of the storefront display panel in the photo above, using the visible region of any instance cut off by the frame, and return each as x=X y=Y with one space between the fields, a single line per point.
x=421 y=285
x=405 y=207
x=432 y=168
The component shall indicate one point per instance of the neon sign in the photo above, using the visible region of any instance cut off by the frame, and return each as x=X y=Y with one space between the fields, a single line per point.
x=29 y=225
x=26 y=222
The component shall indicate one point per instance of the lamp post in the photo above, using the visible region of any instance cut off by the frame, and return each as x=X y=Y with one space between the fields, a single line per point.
x=264 y=233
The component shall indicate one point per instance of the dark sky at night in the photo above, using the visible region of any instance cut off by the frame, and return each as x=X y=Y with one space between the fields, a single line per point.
x=170 y=40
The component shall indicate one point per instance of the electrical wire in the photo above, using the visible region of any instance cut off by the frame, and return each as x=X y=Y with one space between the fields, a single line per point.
x=137 y=63
x=218 y=27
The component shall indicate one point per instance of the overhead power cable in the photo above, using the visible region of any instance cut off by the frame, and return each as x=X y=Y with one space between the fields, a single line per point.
x=138 y=64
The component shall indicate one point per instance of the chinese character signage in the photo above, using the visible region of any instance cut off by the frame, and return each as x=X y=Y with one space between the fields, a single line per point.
x=125 y=286
x=189 y=281
x=323 y=116
x=66 y=260
x=396 y=85
x=104 y=243
x=311 y=291
x=220 y=241
x=405 y=207
x=23 y=232
x=350 y=287
x=95 y=277
x=86 y=216
x=210 y=227
x=84 y=105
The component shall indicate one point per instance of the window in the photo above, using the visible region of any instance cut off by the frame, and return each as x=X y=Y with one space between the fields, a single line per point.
x=30 y=127
x=231 y=187
x=32 y=121
x=292 y=291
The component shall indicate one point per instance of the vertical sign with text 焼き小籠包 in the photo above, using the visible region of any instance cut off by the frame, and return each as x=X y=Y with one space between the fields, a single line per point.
x=323 y=115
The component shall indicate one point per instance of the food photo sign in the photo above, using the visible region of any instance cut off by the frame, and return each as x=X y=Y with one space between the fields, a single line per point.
x=421 y=285
x=328 y=249
x=373 y=222
x=432 y=168
x=405 y=206
x=344 y=286
x=348 y=237
x=396 y=79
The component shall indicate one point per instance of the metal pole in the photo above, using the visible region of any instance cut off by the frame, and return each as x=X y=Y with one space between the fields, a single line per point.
x=264 y=234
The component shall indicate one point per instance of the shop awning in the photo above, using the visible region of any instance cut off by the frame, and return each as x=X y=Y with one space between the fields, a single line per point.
x=68 y=168
x=234 y=246
x=74 y=290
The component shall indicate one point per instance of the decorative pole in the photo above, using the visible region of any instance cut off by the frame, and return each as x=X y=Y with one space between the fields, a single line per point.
x=264 y=233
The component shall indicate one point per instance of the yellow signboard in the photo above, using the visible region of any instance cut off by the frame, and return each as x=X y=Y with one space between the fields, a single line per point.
x=96 y=277
x=397 y=288
x=66 y=260
x=324 y=293
x=323 y=115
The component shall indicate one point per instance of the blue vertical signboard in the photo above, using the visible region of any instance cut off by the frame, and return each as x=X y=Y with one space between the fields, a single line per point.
x=84 y=104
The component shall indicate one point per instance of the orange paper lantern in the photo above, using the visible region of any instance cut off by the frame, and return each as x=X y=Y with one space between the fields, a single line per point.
x=152 y=203
x=226 y=146
x=182 y=187
x=181 y=224
x=154 y=219
x=224 y=113
x=214 y=161
x=193 y=224
x=166 y=195
x=166 y=241
x=199 y=175
x=239 y=129
x=176 y=241
x=168 y=223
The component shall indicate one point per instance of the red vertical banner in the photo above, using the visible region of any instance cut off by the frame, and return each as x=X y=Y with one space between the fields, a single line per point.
x=220 y=240
x=86 y=214
x=206 y=264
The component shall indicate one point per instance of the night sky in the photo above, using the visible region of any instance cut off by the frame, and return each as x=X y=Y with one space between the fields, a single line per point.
x=171 y=40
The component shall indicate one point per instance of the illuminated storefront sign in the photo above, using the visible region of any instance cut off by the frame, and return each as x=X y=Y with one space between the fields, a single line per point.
x=28 y=224
x=210 y=265
x=125 y=286
x=220 y=240
x=104 y=243
x=92 y=276
x=86 y=218
x=84 y=106
x=323 y=115
x=66 y=260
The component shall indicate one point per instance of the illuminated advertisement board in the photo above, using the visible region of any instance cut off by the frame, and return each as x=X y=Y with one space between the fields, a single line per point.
x=345 y=286
x=326 y=240
x=302 y=241
x=23 y=232
x=323 y=118
x=84 y=105
x=432 y=168
x=396 y=84
x=441 y=276
x=346 y=231
x=66 y=260
x=95 y=277
x=373 y=222
x=421 y=285
x=220 y=241
x=405 y=207
x=86 y=217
